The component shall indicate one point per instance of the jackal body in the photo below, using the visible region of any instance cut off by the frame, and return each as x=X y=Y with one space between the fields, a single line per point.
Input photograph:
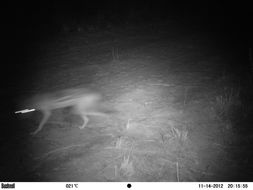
x=83 y=102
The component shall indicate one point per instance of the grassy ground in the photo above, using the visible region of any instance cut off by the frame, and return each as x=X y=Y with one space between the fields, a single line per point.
x=183 y=109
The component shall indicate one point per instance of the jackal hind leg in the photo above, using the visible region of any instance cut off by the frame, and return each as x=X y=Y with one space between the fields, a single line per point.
x=46 y=115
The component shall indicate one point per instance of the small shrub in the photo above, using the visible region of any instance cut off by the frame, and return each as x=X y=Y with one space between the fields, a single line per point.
x=227 y=103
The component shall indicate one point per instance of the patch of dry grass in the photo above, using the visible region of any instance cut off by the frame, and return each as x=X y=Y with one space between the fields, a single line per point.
x=226 y=103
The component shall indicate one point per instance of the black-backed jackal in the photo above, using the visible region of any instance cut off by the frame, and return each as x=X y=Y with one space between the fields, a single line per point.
x=83 y=102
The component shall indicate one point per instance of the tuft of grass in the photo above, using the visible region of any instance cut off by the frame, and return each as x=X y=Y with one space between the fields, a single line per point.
x=115 y=54
x=226 y=103
x=175 y=134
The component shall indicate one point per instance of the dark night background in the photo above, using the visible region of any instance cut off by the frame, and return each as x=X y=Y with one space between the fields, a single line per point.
x=53 y=45
x=29 y=22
